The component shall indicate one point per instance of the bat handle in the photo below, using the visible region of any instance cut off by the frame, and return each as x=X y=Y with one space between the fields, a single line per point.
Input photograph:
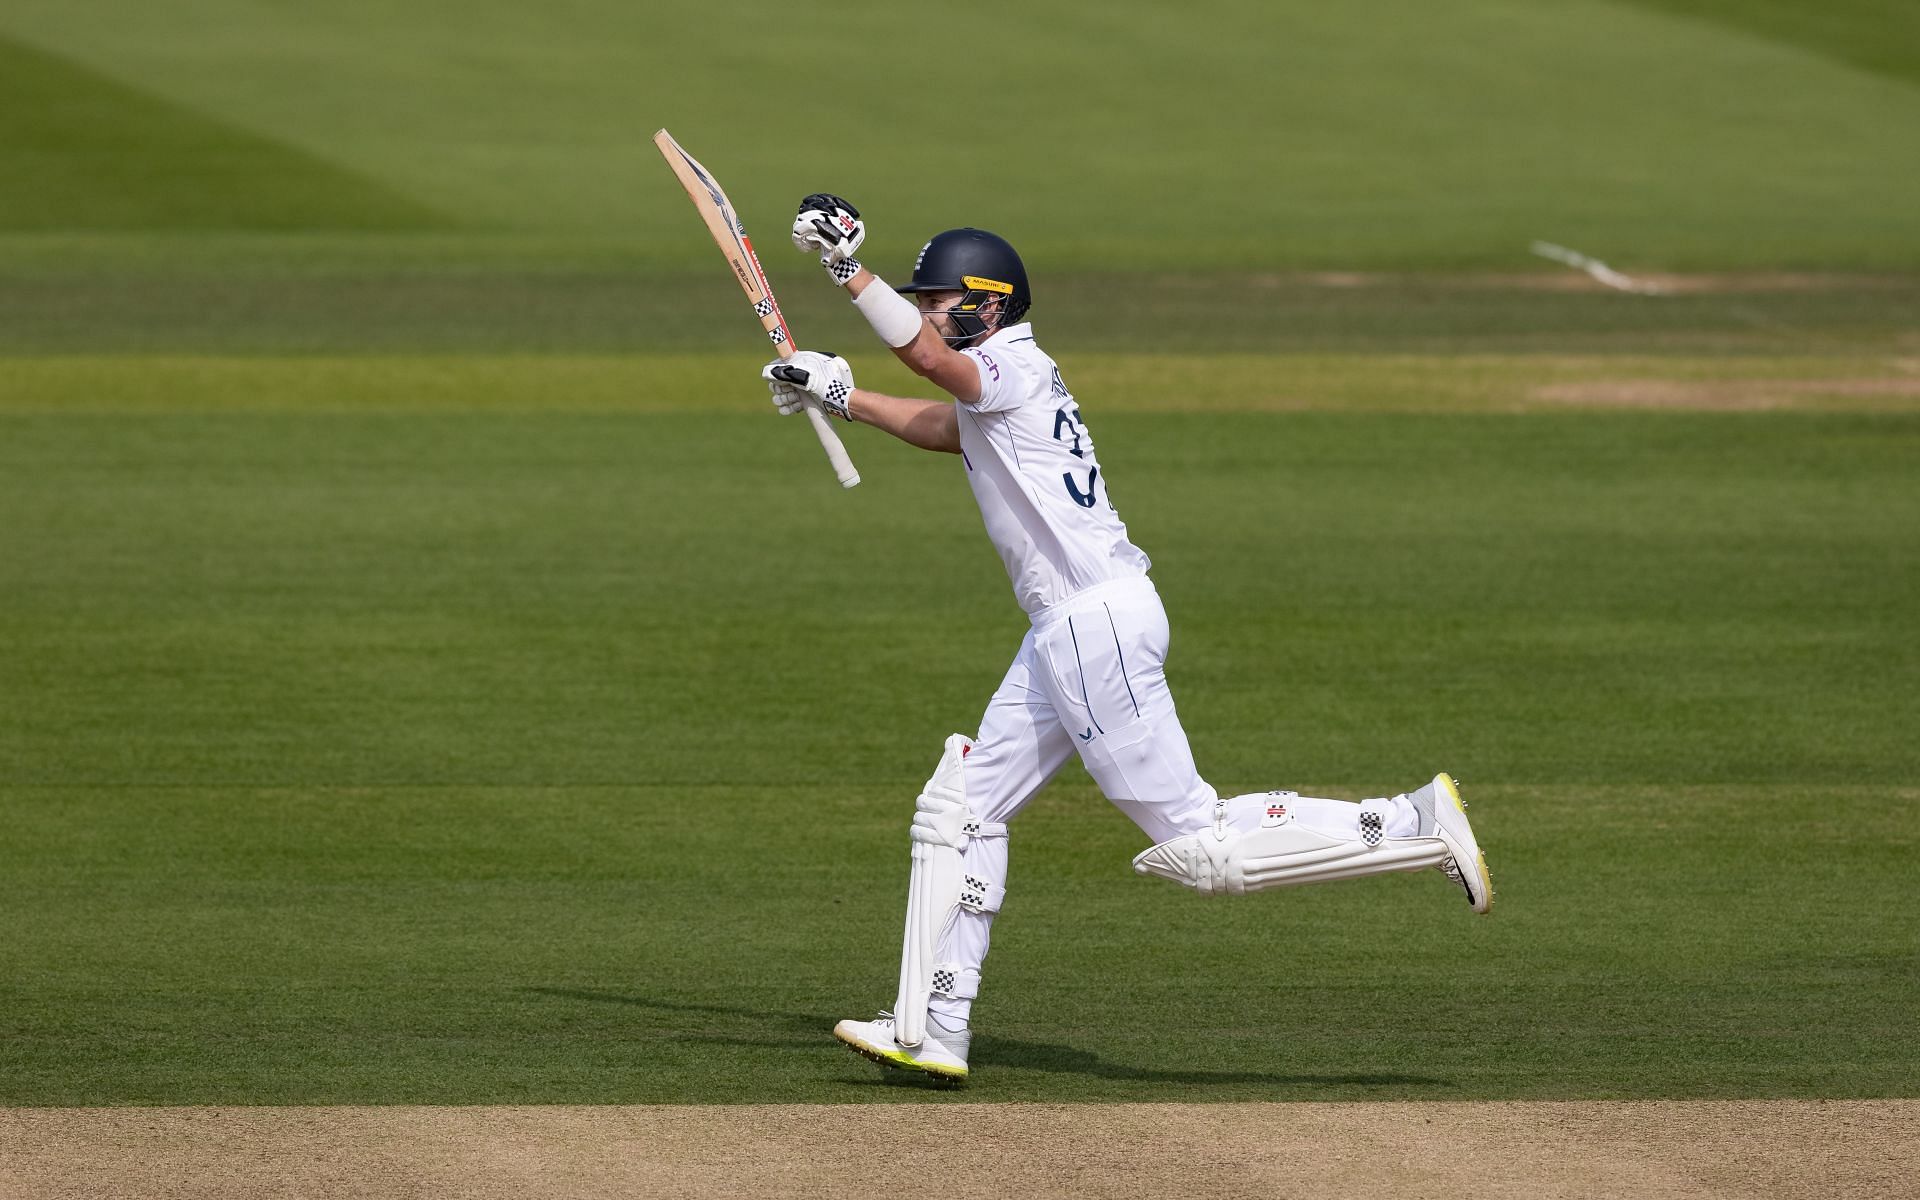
x=822 y=429
x=830 y=442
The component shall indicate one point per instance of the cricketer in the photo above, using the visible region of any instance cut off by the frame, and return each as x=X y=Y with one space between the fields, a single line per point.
x=1089 y=676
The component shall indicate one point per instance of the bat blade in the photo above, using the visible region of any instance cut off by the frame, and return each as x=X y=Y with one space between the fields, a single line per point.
x=710 y=199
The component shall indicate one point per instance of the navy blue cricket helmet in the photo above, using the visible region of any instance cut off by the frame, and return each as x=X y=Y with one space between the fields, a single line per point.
x=980 y=265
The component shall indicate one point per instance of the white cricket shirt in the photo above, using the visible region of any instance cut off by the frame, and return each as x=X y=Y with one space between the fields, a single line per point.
x=1042 y=494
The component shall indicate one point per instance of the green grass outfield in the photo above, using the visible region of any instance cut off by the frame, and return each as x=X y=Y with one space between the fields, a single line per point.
x=1221 y=134
x=429 y=673
x=453 y=752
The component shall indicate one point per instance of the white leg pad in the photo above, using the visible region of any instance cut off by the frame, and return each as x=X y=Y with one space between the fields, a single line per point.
x=937 y=889
x=1280 y=854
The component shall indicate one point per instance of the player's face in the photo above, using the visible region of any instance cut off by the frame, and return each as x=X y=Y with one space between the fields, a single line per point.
x=936 y=308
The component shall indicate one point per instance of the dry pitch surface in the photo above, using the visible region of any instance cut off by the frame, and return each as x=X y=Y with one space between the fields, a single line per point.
x=1486 y=1150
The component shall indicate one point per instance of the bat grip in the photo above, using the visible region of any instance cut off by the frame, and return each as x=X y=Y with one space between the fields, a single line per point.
x=843 y=468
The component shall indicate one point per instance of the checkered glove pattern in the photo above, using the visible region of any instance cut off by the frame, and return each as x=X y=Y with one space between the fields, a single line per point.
x=826 y=378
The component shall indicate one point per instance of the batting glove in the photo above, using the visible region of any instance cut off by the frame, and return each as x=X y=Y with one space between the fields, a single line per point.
x=824 y=377
x=831 y=228
x=786 y=397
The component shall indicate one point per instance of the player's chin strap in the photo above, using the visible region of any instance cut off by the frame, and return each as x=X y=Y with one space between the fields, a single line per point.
x=938 y=890
x=1279 y=852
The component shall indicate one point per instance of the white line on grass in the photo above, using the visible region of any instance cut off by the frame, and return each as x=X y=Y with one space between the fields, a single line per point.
x=1599 y=270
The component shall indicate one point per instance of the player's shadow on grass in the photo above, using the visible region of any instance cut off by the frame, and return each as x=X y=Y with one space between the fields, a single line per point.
x=807 y=1029
x=1070 y=1060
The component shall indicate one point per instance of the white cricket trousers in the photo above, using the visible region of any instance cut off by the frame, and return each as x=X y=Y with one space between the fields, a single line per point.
x=1090 y=679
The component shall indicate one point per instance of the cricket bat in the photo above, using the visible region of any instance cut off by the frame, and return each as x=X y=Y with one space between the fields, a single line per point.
x=724 y=224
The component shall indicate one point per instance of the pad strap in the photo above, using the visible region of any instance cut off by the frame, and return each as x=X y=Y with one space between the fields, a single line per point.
x=945 y=821
x=979 y=895
x=952 y=979
x=1374 y=815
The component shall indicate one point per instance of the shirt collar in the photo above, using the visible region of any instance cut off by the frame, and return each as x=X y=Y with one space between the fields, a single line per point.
x=1011 y=333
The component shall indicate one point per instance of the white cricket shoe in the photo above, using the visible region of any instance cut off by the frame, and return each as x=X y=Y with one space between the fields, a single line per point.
x=1444 y=815
x=941 y=1055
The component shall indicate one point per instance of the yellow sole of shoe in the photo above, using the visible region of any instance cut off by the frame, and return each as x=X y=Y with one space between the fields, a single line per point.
x=1479 y=858
x=944 y=1076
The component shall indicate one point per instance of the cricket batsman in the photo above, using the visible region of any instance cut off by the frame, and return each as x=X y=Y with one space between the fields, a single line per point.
x=1089 y=676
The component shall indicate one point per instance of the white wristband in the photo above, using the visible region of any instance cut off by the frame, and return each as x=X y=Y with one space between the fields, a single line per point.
x=892 y=315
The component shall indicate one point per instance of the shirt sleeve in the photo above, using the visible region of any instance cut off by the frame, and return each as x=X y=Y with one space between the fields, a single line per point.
x=1003 y=382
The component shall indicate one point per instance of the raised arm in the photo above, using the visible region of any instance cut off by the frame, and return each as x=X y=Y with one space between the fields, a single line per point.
x=928 y=354
x=832 y=228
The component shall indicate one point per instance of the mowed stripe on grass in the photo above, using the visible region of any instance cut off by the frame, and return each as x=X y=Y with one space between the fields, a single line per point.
x=263 y=296
x=727 y=384
x=1392 y=132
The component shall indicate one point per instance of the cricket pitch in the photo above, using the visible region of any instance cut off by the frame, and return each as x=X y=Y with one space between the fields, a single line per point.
x=1647 y=1149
